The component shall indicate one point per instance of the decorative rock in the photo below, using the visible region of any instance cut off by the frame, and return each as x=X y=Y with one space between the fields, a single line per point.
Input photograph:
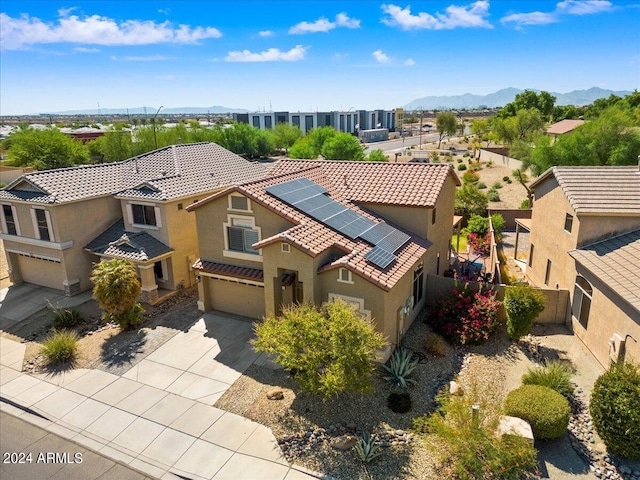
x=344 y=442
x=455 y=388
x=275 y=394
x=515 y=426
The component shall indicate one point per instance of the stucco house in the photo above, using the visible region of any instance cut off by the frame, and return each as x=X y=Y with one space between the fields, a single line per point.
x=563 y=127
x=57 y=223
x=585 y=238
x=319 y=231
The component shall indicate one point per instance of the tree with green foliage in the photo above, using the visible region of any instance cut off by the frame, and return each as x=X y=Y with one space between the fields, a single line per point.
x=116 y=289
x=480 y=225
x=328 y=352
x=525 y=125
x=522 y=305
x=318 y=136
x=447 y=125
x=113 y=146
x=342 y=146
x=542 y=102
x=470 y=200
x=522 y=179
x=377 y=155
x=303 y=149
x=285 y=135
x=45 y=149
x=610 y=139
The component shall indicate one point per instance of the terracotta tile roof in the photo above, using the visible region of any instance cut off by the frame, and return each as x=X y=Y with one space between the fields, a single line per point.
x=246 y=273
x=314 y=237
x=411 y=184
x=168 y=173
x=564 y=126
x=598 y=190
x=616 y=262
x=116 y=242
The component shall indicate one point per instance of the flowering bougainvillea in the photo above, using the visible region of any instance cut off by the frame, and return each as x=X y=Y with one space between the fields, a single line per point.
x=479 y=243
x=465 y=316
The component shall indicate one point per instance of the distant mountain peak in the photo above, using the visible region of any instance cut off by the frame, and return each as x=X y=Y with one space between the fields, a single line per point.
x=507 y=95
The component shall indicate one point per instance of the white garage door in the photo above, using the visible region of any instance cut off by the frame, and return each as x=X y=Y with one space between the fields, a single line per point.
x=41 y=272
x=237 y=298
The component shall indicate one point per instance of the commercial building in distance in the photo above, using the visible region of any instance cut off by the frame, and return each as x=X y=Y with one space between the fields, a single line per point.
x=352 y=121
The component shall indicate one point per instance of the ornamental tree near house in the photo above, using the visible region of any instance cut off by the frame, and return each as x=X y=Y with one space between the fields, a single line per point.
x=328 y=352
x=522 y=304
x=116 y=288
x=447 y=125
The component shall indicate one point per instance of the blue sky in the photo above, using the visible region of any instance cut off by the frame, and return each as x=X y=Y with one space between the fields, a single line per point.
x=305 y=55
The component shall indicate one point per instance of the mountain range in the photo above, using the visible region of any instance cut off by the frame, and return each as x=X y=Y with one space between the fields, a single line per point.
x=507 y=95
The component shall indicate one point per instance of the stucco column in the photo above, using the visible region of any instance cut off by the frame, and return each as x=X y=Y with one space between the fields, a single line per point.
x=149 y=287
x=515 y=250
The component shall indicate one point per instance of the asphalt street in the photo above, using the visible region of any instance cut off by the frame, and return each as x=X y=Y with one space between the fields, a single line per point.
x=31 y=453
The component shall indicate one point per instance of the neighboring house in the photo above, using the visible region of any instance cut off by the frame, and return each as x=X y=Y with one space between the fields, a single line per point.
x=563 y=127
x=366 y=233
x=585 y=237
x=57 y=223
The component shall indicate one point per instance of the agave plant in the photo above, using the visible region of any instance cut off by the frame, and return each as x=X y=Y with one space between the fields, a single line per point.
x=367 y=448
x=400 y=368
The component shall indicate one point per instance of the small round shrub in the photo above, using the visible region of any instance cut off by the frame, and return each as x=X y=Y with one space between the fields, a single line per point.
x=470 y=177
x=482 y=185
x=508 y=180
x=66 y=318
x=546 y=410
x=462 y=166
x=525 y=204
x=493 y=195
x=435 y=345
x=522 y=305
x=615 y=409
x=496 y=185
x=399 y=402
x=61 y=346
x=505 y=178
x=460 y=160
x=554 y=375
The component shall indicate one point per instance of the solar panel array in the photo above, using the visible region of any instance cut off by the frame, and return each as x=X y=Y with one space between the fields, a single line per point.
x=308 y=197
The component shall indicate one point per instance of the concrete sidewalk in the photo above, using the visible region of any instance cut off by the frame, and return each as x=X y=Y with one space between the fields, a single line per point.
x=159 y=416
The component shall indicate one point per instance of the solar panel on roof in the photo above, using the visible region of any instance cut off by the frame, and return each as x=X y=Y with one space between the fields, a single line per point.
x=377 y=233
x=342 y=219
x=327 y=211
x=357 y=227
x=393 y=241
x=314 y=203
x=380 y=257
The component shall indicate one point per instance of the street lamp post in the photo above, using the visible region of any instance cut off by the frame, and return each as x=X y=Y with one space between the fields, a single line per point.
x=155 y=137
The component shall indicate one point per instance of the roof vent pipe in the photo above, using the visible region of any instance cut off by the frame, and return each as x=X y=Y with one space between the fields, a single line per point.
x=344 y=178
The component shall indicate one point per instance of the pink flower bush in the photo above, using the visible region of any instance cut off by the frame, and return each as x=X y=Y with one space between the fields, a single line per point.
x=479 y=243
x=464 y=316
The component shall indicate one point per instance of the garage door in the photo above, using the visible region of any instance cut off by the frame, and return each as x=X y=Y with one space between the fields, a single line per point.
x=40 y=271
x=237 y=298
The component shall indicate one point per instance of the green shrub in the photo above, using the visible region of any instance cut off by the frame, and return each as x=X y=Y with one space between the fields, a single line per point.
x=482 y=185
x=615 y=409
x=496 y=185
x=470 y=177
x=493 y=195
x=505 y=178
x=60 y=346
x=508 y=180
x=474 y=452
x=554 y=375
x=130 y=319
x=399 y=402
x=498 y=223
x=462 y=166
x=525 y=204
x=546 y=410
x=435 y=345
x=522 y=304
x=400 y=368
x=460 y=160
x=66 y=318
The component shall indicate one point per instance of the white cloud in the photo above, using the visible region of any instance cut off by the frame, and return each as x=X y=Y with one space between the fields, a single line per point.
x=18 y=32
x=380 y=56
x=469 y=16
x=164 y=11
x=86 y=50
x=324 y=25
x=340 y=56
x=270 y=55
x=533 y=18
x=584 y=7
x=151 y=58
x=266 y=33
x=409 y=62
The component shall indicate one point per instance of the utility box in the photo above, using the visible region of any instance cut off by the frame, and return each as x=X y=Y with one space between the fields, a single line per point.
x=616 y=348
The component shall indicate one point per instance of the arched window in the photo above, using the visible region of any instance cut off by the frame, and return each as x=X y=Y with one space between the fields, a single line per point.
x=582 y=295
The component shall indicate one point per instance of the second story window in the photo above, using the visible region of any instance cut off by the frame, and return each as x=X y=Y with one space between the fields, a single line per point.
x=568 y=222
x=241 y=238
x=344 y=276
x=9 y=220
x=42 y=224
x=237 y=202
x=144 y=214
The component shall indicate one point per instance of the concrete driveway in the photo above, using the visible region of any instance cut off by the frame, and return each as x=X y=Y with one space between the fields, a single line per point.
x=19 y=302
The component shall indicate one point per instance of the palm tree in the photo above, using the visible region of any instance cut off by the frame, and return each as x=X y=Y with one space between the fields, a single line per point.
x=116 y=288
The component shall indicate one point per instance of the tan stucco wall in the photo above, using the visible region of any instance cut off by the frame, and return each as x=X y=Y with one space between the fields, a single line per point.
x=414 y=219
x=594 y=228
x=608 y=315
x=209 y=223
